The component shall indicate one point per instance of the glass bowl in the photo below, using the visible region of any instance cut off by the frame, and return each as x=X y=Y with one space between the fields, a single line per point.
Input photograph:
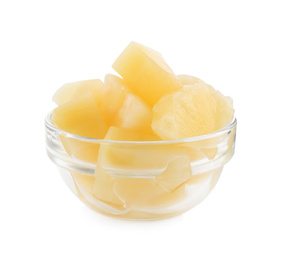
x=140 y=180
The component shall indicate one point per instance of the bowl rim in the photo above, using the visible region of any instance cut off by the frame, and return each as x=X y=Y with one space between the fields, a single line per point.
x=50 y=126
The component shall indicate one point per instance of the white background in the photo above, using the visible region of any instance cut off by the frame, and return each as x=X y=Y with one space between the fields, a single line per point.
x=236 y=46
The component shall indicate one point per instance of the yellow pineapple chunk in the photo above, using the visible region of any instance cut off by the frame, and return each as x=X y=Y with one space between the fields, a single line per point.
x=86 y=151
x=159 y=171
x=117 y=157
x=134 y=114
x=195 y=110
x=103 y=188
x=177 y=173
x=224 y=110
x=113 y=94
x=146 y=73
x=72 y=90
x=80 y=116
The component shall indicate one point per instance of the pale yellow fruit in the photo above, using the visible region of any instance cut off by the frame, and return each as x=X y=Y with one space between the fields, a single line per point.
x=139 y=175
x=83 y=150
x=146 y=73
x=177 y=172
x=71 y=91
x=109 y=157
x=103 y=188
x=80 y=116
x=192 y=111
x=112 y=97
x=134 y=114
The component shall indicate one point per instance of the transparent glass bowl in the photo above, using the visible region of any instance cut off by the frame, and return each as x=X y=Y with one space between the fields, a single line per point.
x=140 y=180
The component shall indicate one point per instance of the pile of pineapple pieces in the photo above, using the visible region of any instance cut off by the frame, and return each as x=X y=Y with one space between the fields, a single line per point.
x=148 y=102
x=149 y=98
